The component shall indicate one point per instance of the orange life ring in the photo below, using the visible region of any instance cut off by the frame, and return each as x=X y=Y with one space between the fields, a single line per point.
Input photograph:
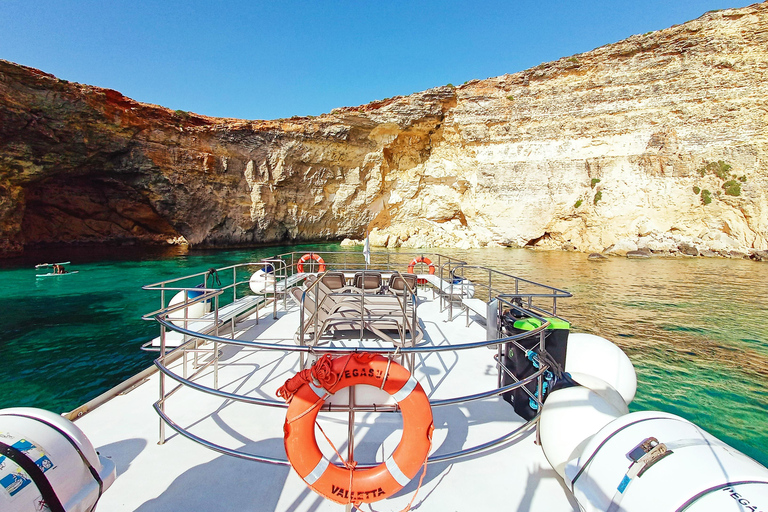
x=311 y=256
x=426 y=261
x=347 y=484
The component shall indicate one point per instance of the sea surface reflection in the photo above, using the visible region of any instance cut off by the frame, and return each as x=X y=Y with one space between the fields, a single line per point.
x=696 y=330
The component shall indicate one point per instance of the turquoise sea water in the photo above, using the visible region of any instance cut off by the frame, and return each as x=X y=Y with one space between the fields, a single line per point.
x=695 y=329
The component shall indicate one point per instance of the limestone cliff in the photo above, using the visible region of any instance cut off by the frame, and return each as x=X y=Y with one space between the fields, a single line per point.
x=657 y=141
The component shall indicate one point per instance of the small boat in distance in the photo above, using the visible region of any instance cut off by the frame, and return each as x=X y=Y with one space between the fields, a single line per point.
x=58 y=269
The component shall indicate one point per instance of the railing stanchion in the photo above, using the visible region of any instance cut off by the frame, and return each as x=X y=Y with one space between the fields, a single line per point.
x=274 y=288
x=162 y=386
x=490 y=286
x=500 y=332
x=300 y=334
x=540 y=384
x=216 y=346
x=351 y=433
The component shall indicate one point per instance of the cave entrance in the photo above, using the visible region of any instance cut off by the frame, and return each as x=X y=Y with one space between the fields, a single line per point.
x=90 y=210
x=535 y=241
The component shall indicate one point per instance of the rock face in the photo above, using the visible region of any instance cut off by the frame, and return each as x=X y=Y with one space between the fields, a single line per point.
x=654 y=143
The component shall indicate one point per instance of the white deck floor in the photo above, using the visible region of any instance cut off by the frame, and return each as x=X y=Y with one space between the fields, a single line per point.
x=182 y=475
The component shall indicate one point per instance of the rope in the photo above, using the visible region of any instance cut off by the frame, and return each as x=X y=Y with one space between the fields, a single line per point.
x=315 y=373
x=320 y=372
x=214 y=275
x=319 y=402
x=421 y=480
x=293 y=384
x=350 y=465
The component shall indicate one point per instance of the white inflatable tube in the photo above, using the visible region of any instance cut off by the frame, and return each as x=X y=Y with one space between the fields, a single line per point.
x=61 y=451
x=686 y=469
x=195 y=310
x=261 y=281
x=570 y=416
x=592 y=355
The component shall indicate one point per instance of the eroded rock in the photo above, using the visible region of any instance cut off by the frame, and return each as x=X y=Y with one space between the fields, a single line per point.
x=620 y=148
x=639 y=254
x=688 y=249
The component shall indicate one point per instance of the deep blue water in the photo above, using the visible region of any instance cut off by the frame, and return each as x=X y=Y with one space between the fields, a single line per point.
x=695 y=329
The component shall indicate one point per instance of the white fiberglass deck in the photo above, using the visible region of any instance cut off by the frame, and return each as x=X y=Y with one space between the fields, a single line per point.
x=185 y=476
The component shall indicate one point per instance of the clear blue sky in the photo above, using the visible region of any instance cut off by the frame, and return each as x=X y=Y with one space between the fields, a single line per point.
x=265 y=60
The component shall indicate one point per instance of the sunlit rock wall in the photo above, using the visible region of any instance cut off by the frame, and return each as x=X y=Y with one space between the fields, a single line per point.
x=615 y=149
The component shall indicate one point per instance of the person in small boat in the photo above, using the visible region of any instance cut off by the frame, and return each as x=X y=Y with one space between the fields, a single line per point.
x=59 y=269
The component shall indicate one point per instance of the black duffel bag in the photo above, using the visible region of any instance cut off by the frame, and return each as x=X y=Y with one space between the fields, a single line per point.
x=524 y=362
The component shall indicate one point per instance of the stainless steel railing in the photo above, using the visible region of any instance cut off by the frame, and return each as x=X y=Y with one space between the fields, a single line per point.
x=496 y=284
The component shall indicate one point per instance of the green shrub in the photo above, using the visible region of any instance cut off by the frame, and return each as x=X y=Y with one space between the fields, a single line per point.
x=706 y=196
x=732 y=188
x=451 y=86
x=720 y=169
x=578 y=203
x=574 y=60
x=696 y=190
x=511 y=98
x=594 y=182
x=743 y=179
x=598 y=196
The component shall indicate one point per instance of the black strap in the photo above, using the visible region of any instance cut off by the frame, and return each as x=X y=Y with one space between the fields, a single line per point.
x=36 y=474
x=91 y=469
x=212 y=272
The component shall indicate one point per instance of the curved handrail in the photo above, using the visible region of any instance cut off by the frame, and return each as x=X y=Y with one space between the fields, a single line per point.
x=347 y=350
x=284 y=462
x=275 y=403
x=282 y=404
x=282 y=268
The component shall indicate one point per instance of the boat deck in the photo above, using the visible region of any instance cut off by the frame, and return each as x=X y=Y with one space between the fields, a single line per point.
x=183 y=475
